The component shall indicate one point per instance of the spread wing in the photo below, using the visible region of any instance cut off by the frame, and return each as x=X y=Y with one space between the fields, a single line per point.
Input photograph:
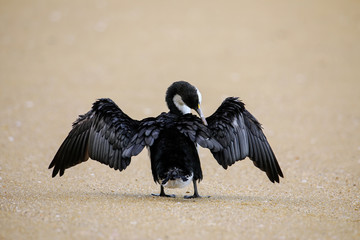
x=101 y=134
x=241 y=136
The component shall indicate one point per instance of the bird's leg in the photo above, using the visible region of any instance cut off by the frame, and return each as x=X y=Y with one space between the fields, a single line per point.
x=162 y=193
x=196 y=194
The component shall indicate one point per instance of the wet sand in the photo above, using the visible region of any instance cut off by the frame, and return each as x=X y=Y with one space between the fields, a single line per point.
x=295 y=65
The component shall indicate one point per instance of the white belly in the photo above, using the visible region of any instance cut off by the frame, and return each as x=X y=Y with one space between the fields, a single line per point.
x=178 y=183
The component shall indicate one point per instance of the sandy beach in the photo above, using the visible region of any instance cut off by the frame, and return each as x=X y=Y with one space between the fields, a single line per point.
x=296 y=65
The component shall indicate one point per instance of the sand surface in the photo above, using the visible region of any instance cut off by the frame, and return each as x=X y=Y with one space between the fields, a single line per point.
x=296 y=64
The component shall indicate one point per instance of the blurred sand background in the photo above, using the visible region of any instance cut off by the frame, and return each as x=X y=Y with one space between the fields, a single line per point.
x=296 y=64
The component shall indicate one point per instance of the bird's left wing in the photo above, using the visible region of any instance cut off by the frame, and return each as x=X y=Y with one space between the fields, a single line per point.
x=241 y=136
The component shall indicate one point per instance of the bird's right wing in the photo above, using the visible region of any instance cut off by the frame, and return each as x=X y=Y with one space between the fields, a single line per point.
x=241 y=136
x=101 y=134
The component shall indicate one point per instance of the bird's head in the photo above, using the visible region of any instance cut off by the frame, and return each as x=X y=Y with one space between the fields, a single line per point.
x=181 y=97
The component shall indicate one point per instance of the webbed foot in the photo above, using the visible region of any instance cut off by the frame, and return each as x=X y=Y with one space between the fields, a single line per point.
x=162 y=193
x=192 y=196
x=196 y=194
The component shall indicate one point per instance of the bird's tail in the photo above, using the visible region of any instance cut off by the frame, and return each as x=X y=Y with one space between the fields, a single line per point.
x=173 y=174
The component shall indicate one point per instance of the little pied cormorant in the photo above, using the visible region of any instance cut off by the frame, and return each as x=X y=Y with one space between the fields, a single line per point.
x=108 y=135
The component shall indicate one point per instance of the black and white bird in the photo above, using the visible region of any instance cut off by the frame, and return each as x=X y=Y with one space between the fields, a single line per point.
x=108 y=135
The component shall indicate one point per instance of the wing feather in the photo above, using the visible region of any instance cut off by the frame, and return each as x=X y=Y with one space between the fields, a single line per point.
x=192 y=127
x=241 y=136
x=188 y=124
x=101 y=134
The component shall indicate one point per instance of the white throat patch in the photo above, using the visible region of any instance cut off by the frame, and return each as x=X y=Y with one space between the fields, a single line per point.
x=199 y=95
x=179 y=103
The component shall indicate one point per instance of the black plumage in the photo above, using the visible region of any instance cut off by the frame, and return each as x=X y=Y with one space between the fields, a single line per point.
x=108 y=135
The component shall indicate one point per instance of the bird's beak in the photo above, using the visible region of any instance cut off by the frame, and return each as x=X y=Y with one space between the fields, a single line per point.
x=198 y=110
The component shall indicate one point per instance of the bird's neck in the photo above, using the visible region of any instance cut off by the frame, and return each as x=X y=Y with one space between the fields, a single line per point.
x=176 y=105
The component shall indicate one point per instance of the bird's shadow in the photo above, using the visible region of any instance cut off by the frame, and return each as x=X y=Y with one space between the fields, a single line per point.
x=136 y=197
